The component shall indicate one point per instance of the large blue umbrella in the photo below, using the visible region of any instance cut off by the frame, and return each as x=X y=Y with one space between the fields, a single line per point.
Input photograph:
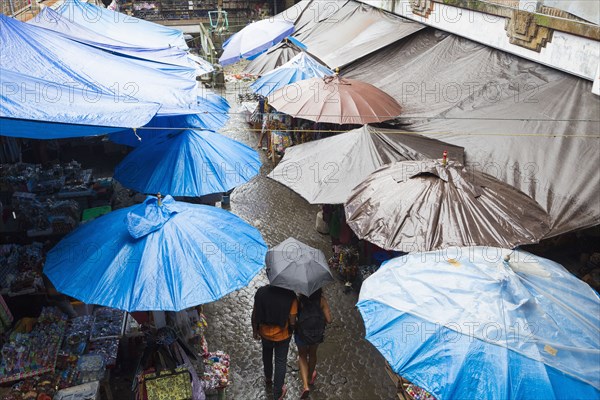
x=188 y=163
x=301 y=67
x=157 y=256
x=254 y=39
x=485 y=323
x=210 y=112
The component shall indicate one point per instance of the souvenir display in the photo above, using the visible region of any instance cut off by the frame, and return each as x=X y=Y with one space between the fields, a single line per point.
x=35 y=352
x=109 y=323
x=345 y=262
x=416 y=393
x=21 y=268
x=216 y=370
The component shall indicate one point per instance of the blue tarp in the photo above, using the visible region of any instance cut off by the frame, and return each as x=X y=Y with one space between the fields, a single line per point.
x=189 y=163
x=39 y=109
x=299 y=68
x=121 y=27
x=168 y=59
x=153 y=256
x=485 y=323
x=47 y=55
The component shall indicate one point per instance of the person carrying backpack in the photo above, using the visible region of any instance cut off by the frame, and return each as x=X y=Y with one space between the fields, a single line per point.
x=313 y=315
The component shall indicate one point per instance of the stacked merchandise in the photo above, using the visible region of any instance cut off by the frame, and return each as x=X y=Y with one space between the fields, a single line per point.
x=61 y=358
x=42 y=201
x=33 y=352
x=417 y=393
x=6 y=318
x=345 y=262
x=21 y=269
x=216 y=372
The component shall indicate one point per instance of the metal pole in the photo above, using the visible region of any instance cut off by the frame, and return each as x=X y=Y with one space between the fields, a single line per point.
x=10 y=6
x=274 y=7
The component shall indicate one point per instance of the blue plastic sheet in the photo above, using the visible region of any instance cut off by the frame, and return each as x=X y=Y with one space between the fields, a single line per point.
x=39 y=109
x=168 y=59
x=189 y=163
x=254 y=39
x=301 y=67
x=467 y=322
x=48 y=55
x=184 y=255
x=121 y=27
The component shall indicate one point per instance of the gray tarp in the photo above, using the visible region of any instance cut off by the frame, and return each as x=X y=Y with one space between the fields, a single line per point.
x=338 y=32
x=354 y=31
x=325 y=171
x=529 y=125
x=305 y=15
x=423 y=205
x=275 y=57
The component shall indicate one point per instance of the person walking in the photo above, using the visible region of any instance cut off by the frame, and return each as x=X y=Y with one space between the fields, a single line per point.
x=313 y=315
x=273 y=321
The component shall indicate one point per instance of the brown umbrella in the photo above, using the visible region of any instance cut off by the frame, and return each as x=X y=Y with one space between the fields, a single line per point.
x=426 y=205
x=335 y=100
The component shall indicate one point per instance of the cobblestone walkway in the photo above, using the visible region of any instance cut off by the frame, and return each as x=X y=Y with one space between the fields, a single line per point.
x=349 y=367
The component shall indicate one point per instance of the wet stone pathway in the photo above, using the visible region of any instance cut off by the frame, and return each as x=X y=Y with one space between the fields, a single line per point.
x=349 y=367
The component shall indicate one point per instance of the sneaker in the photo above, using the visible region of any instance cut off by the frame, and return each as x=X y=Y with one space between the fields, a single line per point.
x=283 y=392
x=305 y=394
x=313 y=378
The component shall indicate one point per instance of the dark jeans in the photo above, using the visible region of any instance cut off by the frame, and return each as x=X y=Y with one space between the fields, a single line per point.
x=281 y=352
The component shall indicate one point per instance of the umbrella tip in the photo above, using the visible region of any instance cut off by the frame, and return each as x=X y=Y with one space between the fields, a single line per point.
x=159 y=197
x=337 y=70
x=445 y=158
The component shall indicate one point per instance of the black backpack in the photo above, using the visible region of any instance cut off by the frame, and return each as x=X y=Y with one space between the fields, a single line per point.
x=311 y=323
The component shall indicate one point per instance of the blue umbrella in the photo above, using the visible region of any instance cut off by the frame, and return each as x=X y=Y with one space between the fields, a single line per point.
x=211 y=112
x=301 y=67
x=485 y=323
x=254 y=39
x=161 y=256
x=188 y=163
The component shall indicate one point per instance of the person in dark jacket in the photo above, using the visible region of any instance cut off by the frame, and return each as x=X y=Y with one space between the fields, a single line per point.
x=307 y=352
x=273 y=321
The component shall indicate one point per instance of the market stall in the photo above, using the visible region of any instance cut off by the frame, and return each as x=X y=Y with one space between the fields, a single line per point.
x=48 y=201
x=43 y=356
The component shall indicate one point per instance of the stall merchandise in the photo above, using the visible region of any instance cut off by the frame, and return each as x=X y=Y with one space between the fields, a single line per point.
x=21 y=269
x=58 y=357
x=109 y=323
x=6 y=318
x=216 y=371
x=345 y=262
x=47 y=201
x=33 y=353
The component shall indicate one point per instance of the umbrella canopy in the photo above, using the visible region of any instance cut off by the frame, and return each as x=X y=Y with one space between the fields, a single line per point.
x=467 y=323
x=335 y=100
x=189 y=163
x=296 y=266
x=325 y=171
x=211 y=112
x=297 y=69
x=425 y=205
x=254 y=39
x=272 y=58
x=157 y=256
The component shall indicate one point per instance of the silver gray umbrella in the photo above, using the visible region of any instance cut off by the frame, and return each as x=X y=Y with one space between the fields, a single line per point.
x=426 y=205
x=296 y=266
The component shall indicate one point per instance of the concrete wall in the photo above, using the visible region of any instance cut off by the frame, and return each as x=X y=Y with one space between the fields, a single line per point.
x=17 y=6
x=567 y=52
